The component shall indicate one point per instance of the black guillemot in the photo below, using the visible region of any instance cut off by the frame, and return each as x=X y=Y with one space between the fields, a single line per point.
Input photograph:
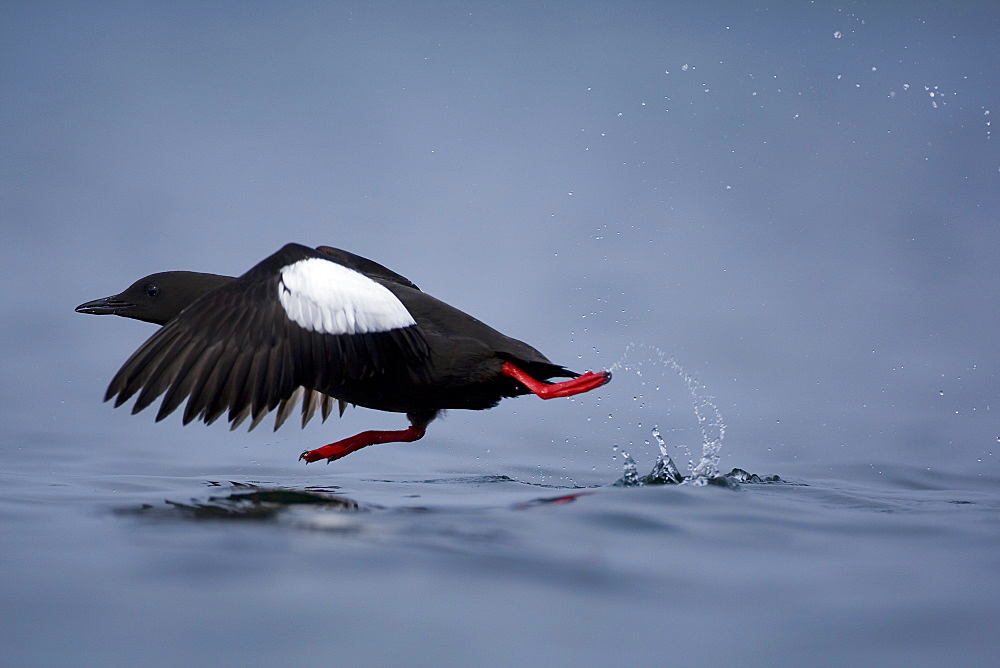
x=320 y=326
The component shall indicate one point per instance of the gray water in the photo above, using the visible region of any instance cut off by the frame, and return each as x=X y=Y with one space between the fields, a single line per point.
x=186 y=567
x=777 y=223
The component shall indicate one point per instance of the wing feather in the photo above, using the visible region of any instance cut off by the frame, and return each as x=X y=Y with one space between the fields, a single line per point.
x=237 y=350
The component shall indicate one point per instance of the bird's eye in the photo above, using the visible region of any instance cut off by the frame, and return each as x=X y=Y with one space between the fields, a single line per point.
x=152 y=290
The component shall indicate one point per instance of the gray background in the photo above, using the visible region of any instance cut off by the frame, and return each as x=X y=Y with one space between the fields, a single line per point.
x=798 y=201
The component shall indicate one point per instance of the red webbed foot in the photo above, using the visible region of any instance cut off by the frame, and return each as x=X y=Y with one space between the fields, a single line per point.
x=363 y=440
x=583 y=383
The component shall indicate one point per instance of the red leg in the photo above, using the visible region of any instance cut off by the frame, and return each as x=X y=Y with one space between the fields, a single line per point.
x=363 y=440
x=568 y=388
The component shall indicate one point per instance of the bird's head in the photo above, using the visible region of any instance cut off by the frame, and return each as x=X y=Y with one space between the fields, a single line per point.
x=157 y=298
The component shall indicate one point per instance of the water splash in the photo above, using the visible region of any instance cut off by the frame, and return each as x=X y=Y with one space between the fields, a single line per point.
x=630 y=474
x=710 y=423
x=664 y=471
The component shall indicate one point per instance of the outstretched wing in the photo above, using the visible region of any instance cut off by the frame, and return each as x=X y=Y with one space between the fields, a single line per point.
x=298 y=319
x=369 y=268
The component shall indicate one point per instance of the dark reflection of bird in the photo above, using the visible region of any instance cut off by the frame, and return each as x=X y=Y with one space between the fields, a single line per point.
x=319 y=326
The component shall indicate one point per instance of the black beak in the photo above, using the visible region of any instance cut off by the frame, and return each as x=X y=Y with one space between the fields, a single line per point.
x=107 y=306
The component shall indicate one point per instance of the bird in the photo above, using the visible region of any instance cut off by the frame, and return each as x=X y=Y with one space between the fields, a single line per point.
x=322 y=326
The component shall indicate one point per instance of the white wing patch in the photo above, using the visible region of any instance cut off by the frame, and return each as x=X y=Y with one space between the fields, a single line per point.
x=325 y=297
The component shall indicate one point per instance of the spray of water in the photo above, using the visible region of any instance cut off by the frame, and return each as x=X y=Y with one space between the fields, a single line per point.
x=710 y=423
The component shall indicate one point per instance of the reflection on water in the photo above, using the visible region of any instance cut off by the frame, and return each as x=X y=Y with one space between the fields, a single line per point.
x=256 y=504
x=265 y=503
